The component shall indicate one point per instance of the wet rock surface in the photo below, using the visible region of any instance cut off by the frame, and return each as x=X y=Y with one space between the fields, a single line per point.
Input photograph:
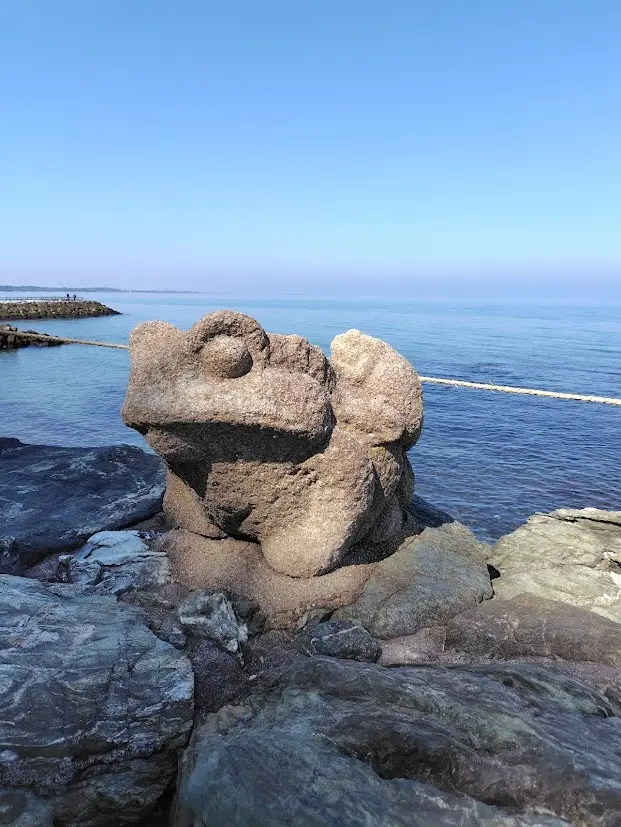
x=53 y=499
x=347 y=743
x=94 y=708
x=572 y=556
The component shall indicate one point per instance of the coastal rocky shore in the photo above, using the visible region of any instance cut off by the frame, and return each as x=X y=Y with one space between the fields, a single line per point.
x=159 y=668
x=57 y=309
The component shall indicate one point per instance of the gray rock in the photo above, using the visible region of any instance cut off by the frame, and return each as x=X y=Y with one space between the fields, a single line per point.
x=339 y=639
x=53 y=499
x=93 y=708
x=428 y=580
x=349 y=744
x=22 y=808
x=572 y=556
x=529 y=626
x=425 y=646
x=210 y=614
x=114 y=562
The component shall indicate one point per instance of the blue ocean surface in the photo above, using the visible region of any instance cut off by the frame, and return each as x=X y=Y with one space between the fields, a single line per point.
x=490 y=459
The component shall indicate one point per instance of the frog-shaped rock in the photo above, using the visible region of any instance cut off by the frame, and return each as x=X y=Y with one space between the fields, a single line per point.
x=267 y=440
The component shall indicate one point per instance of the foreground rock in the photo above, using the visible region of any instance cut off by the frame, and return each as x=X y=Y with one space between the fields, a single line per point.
x=431 y=578
x=53 y=499
x=346 y=743
x=267 y=440
x=93 y=711
x=571 y=556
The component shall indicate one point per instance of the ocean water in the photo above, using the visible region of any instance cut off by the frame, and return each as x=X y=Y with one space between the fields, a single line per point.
x=490 y=459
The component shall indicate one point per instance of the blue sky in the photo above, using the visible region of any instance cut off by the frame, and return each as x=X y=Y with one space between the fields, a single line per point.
x=281 y=144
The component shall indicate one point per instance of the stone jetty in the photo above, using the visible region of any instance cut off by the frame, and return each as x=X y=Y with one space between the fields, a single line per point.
x=12 y=338
x=11 y=310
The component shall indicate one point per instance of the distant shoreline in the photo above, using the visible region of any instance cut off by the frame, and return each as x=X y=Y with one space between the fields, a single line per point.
x=22 y=288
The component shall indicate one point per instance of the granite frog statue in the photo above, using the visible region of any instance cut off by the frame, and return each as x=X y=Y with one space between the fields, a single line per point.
x=265 y=439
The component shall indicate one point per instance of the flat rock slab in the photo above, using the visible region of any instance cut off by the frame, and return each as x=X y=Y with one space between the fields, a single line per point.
x=347 y=744
x=572 y=556
x=529 y=626
x=428 y=580
x=93 y=710
x=115 y=562
x=53 y=499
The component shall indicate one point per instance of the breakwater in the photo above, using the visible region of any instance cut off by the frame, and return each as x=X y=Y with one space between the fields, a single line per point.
x=12 y=338
x=15 y=309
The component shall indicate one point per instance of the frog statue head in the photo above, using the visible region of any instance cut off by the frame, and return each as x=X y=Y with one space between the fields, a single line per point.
x=267 y=440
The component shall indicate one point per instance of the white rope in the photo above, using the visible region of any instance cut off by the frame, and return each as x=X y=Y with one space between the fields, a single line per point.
x=432 y=380
x=459 y=383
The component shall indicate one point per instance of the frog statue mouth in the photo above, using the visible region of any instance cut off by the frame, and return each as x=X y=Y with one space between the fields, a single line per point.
x=261 y=432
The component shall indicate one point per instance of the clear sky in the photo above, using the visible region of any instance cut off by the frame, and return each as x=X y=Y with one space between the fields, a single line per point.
x=306 y=145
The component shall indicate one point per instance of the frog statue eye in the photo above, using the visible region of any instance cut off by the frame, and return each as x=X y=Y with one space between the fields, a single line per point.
x=226 y=357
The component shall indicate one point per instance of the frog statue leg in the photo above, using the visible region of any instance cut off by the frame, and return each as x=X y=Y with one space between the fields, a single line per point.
x=321 y=509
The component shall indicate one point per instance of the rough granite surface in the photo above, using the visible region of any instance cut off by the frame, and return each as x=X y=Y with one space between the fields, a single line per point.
x=267 y=440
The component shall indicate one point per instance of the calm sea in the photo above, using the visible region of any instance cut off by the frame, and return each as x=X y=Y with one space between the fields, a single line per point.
x=490 y=459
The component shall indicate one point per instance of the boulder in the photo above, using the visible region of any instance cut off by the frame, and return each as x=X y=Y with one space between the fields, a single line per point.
x=53 y=499
x=266 y=440
x=529 y=626
x=93 y=711
x=345 y=743
x=115 y=562
x=571 y=556
x=339 y=639
x=428 y=580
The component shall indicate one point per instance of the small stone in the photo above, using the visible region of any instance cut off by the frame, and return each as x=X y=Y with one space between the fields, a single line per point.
x=211 y=615
x=339 y=639
x=426 y=646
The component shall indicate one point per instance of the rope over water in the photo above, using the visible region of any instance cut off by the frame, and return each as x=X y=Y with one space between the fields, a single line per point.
x=432 y=380
x=459 y=383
